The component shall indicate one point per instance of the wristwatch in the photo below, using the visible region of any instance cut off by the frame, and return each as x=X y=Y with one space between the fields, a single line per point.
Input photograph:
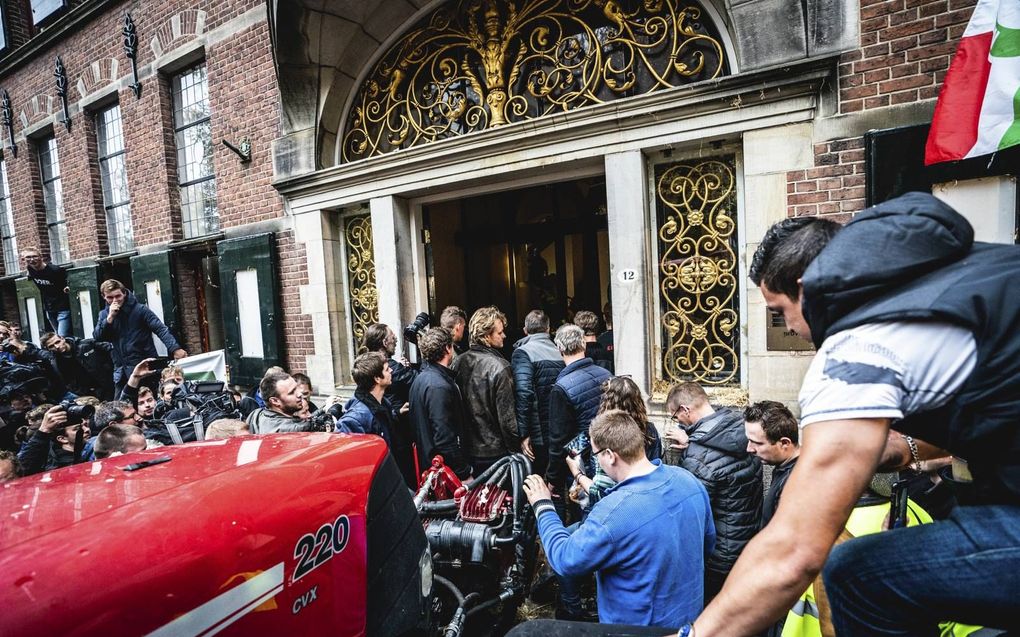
x=687 y=630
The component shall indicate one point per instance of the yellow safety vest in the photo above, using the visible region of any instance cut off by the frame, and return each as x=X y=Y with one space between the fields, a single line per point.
x=802 y=620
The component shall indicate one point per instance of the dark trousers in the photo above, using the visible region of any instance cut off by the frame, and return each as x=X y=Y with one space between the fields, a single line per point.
x=714 y=581
x=550 y=628
x=541 y=461
x=903 y=582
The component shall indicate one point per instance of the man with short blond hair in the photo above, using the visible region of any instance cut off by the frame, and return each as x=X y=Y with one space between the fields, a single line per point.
x=226 y=428
x=647 y=538
x=716 y=453
x=487 y=385
x=117 y=440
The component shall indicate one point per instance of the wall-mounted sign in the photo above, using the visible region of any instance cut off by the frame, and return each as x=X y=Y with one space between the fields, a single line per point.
x=780 y=338
x=627 y=276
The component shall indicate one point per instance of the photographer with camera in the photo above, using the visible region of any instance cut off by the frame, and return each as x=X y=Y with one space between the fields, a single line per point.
x=380 y=338
x=283 y=402
x=60 y=439
x=85 y=365
x=41 y=362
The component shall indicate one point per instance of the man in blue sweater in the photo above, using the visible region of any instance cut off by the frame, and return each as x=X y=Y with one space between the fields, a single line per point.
x=646 y=539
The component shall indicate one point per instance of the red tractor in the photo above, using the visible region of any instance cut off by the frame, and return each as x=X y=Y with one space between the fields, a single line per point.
x=290 y=534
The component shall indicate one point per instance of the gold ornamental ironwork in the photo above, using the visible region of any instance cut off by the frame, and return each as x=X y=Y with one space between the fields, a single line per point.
x=362 y=293
x=698 y=289
x=472 y=65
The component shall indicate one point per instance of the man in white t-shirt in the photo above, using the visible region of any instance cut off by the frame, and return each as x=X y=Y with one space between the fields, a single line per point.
x=918 y=331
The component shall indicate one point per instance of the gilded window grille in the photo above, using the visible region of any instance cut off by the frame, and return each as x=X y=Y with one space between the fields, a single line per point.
x=698 y=287
x=363 y=296
x=472 y=65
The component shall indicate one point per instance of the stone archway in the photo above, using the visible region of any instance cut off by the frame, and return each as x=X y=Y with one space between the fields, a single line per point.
x=322 y=49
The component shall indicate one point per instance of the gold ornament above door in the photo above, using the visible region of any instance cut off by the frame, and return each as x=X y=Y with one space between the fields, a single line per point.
x=472 y=65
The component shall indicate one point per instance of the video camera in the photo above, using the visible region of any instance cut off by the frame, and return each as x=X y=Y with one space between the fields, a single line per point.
x=76 y=413
x=193 y=405
x=324 y=419
x=19 y=379
x=416 y=327
x=207 y=398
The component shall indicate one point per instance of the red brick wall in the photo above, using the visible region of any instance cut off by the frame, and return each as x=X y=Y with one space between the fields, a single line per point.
x=243 y=98
x=297 y=327
x=834 y=187
x=906 y=48
x=245 y=102
x=190 y=331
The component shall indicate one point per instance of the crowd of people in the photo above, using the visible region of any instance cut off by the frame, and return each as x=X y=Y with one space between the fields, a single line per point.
x=674 y=523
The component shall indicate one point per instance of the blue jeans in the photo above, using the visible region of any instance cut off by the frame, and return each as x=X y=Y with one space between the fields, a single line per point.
x=60 y=322
x=903 y=582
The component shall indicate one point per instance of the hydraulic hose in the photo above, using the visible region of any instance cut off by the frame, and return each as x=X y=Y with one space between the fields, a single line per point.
x=518 y=464
x=456 y=625
x=488 y=472
x=450 y=586
x=440 y=507
x=504 y=595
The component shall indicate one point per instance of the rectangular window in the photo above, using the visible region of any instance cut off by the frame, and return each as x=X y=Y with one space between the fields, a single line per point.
x=193 y=135
x=53 y=200
x=3 y=28
x=113 y=169
x=7 y=240
x=45 y=10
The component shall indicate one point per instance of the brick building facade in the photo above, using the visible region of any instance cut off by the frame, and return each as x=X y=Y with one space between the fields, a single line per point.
x=816 y=108
x=229 y=45
x=820 y=108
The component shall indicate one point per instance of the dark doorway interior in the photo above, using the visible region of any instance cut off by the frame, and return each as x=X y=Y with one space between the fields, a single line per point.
x=542 y=247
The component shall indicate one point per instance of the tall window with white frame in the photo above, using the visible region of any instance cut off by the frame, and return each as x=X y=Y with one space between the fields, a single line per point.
x=193 y=135
x=53 y=200
x=113 y=170
x=7 y=240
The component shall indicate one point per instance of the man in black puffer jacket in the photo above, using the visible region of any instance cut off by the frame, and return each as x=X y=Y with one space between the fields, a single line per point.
x=717 y=455
x=86 y=365
x=536 y=363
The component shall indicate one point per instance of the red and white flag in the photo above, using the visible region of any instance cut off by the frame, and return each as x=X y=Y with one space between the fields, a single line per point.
x=978 y=110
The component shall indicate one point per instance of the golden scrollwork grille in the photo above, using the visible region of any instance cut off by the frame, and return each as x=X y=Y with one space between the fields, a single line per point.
x=363 y=296
x=477 y=64
x=698 y=291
